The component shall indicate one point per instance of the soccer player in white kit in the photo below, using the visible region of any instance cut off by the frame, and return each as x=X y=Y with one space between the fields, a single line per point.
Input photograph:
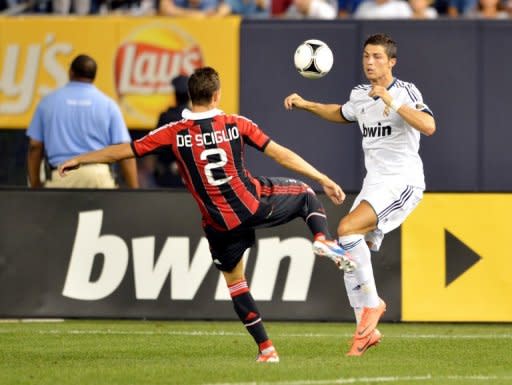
x=391 y=115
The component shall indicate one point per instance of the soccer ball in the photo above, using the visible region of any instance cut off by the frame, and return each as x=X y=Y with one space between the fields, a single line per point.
x=313 y=59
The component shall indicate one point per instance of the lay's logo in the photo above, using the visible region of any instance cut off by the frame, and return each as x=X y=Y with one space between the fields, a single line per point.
x=145 y=64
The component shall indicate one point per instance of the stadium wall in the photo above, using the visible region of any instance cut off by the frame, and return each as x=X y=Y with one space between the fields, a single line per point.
x=142 y=254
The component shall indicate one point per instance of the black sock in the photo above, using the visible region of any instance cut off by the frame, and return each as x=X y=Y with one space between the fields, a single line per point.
x=247 y=311
x=315 y=218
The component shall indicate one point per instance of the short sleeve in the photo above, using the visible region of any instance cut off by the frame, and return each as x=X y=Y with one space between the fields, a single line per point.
x=412 y=98
x=118 y=130
x=161 y=137
x=348 y=110
x=36 y=128
x=252 y=134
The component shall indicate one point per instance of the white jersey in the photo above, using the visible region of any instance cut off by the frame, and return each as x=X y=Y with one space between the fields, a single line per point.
x=390 y=144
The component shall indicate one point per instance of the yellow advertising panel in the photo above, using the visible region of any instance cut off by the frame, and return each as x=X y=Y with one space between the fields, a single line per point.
x=137 y=58
x=456 y=259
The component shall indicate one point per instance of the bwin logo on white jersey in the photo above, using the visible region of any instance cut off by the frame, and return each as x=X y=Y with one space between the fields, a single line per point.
x=378 y=131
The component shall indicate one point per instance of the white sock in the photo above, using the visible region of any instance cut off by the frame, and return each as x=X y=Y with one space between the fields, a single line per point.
x=360 y=284
x=358 y=311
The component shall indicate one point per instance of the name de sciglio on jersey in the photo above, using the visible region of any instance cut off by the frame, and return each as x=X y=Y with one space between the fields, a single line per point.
x=207 y=138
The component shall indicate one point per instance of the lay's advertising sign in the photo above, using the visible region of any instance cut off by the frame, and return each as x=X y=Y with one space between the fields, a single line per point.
x=137 y=59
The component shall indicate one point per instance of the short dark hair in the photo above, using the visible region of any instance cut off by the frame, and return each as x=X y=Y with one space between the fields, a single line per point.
x=84 y=67
x=202 y=84
x=385 y=41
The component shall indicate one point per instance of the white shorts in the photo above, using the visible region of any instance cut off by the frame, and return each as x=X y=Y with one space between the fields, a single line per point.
x=392 y=204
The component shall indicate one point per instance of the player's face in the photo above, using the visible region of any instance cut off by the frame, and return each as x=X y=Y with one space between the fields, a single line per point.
x=376 y=63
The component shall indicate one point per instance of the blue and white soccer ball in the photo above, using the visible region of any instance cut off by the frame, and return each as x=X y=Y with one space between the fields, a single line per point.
x=313 y=59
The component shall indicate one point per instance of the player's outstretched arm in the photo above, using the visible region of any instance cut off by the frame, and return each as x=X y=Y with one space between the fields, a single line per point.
x=330 y=112
x=108 y=154
x=289 y=159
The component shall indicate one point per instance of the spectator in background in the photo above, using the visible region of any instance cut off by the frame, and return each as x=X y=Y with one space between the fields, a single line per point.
x=193 y=8
x=173 y=113
x=39 y=6
x=421 y=9
x=460 y=7
x=255 y=9
x=12 y=7
x=130 y=7
x=72 y=120
x=279 y=7
x=383 y=9
x=64 y=7
x=311 y=9
x=166 y=170
x=489 y=9
x=59 y=7
x=346 y=8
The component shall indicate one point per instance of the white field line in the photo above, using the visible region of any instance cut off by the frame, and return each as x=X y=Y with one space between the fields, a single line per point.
x=349 y=380
x=366 y=380
x=200 y=333
x=30 y=320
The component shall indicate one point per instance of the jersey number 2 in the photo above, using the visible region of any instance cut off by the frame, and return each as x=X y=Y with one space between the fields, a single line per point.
x=210 y=166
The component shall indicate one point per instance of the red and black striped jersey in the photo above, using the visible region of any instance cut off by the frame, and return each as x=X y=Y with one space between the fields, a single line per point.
x=209 y=149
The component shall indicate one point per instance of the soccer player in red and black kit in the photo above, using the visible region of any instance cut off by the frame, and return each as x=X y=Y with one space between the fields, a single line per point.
x=209 y=148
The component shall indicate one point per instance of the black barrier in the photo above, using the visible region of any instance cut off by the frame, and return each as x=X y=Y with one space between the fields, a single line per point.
x=141 y=254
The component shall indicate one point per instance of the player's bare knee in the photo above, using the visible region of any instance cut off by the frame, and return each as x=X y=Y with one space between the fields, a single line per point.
x=344 y=227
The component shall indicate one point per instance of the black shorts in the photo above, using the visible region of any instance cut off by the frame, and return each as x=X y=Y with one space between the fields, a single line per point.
x=282 y=200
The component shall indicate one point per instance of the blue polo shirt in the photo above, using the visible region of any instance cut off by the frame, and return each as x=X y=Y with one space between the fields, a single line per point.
x=74 y=119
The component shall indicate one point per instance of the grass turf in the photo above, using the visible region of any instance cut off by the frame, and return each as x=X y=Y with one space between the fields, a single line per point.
x=152 y=352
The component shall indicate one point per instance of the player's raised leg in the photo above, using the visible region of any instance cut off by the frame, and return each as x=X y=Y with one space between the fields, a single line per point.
x=324 y=244
x=332 y=250
x=292 y=198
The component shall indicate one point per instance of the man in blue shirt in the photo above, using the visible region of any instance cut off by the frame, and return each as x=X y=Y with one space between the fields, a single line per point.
x=72 y=120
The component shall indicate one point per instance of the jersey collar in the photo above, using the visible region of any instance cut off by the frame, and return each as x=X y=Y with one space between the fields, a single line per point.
x=187 y=114
x=75 y=83
x=392 y=84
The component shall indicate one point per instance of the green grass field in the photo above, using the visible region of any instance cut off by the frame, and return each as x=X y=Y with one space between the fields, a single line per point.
x=151 y=352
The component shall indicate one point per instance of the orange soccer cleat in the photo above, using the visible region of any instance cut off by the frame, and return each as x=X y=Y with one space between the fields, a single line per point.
x=369 y=319
x=268 y=355
x=361 y=345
